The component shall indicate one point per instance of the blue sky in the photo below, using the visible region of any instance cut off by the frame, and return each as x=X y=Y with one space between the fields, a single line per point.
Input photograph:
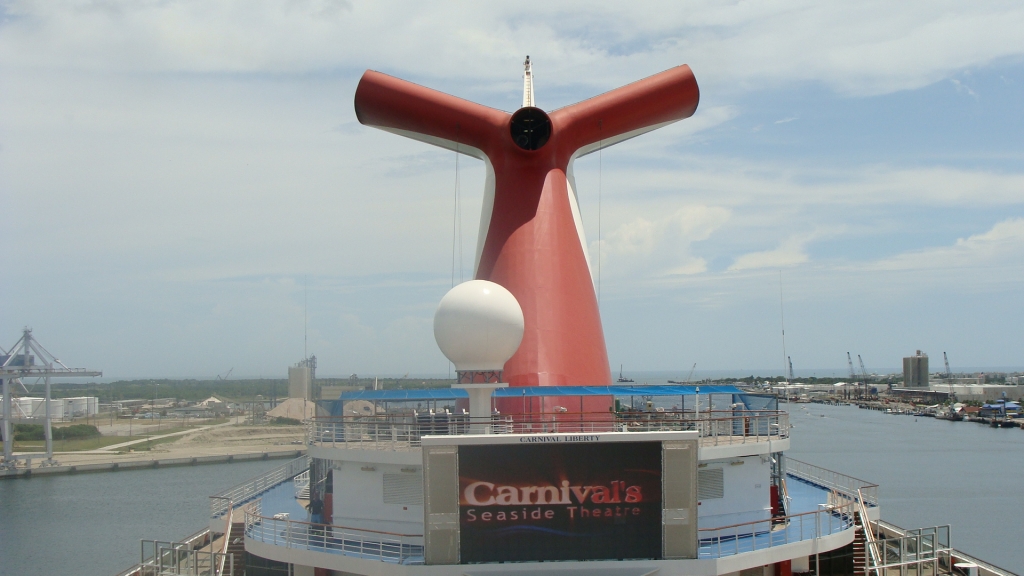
x=181 y=177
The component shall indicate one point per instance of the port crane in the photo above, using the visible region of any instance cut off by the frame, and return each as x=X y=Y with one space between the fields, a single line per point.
x=949 y=378
x=687 y=381
x=28 y=359
x=849 y=362
x=864 y=373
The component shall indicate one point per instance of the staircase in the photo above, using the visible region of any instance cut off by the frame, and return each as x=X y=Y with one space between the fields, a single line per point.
x=236 y=548
x=860 y=557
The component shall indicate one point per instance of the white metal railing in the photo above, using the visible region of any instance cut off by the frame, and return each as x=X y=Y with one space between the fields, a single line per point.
x=923 y=551
x=984 y=568
x=369 y=544
x=853 y=488
x=221 y=502
x=404 y=431
x=768 y=533
x=301 y=483
x=874 y=555
x=159 y=558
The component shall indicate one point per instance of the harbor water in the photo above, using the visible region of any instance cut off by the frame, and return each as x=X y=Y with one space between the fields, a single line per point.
x=930 y=471
x=91 y=524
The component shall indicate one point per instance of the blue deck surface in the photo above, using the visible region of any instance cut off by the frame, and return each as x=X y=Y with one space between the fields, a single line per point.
x=281 y=498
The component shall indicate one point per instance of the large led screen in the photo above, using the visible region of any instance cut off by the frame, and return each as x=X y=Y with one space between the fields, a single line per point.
x=559 y=501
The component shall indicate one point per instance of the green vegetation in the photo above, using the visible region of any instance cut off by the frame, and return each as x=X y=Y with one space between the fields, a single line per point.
x=28 y=432
x=245 y=390
x=282 y=421
x=72 y=445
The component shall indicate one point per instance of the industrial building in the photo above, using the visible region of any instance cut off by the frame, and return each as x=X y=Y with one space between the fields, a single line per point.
x=60 y=408
x=915 y=371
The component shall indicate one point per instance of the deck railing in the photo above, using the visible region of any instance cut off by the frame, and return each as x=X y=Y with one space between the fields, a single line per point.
x=848 y=486
x=159 y=558
x=369 y=544
x=408 y=548
x=894 y=533
x=404 y=431
x=221 y=502
x=922 y=551
x=768 y=533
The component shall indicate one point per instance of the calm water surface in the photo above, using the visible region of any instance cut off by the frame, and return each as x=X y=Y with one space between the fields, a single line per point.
x=930 y=471
x=92 y=523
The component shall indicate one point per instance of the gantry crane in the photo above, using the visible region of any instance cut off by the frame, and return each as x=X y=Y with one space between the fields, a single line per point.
x=28 y=359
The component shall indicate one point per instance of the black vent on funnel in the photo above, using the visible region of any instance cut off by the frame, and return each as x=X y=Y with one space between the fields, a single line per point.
x=530 y=128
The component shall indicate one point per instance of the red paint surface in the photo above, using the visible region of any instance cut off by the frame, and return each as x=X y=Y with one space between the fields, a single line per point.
x=532 y=247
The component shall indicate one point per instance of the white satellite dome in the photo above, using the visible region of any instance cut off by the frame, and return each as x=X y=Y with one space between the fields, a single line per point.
x=478 y=326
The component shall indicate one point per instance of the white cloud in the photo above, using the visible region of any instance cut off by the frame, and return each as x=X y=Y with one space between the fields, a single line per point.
x=174 y=154
x=1002 y=246
x=659 y=246
x=859 y=48
x=791 y=252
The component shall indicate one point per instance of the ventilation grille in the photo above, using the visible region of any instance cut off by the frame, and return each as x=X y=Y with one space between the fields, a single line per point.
x=710 y=484
x=404 y=489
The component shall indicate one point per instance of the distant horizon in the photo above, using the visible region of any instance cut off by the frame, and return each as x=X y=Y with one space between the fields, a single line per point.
x=680 y=374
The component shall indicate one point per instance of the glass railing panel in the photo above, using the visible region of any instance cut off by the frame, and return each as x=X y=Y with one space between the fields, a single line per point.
x=403 y=432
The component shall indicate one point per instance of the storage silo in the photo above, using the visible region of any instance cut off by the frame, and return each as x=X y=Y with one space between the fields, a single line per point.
x=915 y=371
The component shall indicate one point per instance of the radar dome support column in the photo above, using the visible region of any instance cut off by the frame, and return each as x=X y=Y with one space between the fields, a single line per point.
x=531 y=237
x=478 y=325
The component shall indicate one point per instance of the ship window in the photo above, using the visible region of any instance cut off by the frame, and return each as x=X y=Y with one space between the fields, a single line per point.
x=710 y=483
x=406 y=489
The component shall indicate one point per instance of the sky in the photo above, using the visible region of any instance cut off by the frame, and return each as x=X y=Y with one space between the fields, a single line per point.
x=186 y=189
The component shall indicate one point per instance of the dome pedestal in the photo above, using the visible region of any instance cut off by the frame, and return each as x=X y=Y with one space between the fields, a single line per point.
x=480 y=404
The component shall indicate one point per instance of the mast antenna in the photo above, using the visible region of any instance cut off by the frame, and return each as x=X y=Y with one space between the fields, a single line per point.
x=528 y=84
x=782 y=321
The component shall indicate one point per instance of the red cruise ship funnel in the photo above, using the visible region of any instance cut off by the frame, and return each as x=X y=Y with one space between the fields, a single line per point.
x=531 y=237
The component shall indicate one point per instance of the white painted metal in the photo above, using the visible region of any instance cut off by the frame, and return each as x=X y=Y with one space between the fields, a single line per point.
x=528 y=83
x=27 y=347
x=478 y=325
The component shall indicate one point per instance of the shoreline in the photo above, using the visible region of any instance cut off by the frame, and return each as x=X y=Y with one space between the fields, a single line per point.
x=150 y=463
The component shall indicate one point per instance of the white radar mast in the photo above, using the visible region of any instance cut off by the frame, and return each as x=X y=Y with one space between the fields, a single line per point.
x=528 y=83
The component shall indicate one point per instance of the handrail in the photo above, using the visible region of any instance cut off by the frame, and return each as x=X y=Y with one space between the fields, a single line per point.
x=241 y=493
x=374 y=544
x=227 y=530
x=776 y=519
x=766 y=533
x=987 y=568
x=339 y=526
x=179 y=559
x=869 y=534
x=404 y=431
x=849 y=485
